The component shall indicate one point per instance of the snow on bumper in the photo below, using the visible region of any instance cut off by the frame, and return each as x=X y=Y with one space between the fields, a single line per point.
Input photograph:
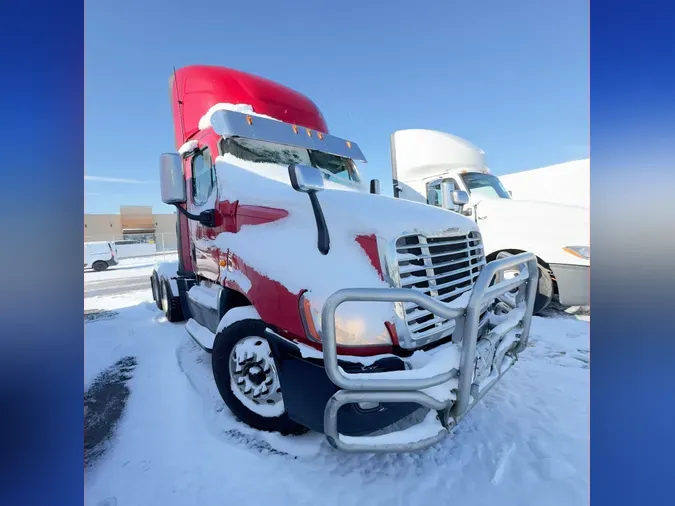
x=450 y=380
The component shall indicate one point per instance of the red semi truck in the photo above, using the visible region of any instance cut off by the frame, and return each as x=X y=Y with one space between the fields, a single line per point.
x=324 y=304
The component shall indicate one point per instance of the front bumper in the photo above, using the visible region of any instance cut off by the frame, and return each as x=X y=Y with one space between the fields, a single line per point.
x=307 y=389
x=573 y=284
x=449 y=385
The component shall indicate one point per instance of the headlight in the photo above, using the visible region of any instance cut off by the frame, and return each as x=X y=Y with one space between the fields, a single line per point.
x=356 y=323
x=579 y=251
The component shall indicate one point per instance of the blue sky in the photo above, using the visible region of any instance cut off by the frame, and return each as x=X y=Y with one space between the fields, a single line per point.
x=511 y=77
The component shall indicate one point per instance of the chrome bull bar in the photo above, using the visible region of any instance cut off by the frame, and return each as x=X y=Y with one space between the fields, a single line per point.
x=377 y=387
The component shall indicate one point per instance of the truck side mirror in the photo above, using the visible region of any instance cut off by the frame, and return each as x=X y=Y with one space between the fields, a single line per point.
x=309 y=180
x=459 y=198
x=375 y=187
x=510 y=193
x=305 y=179
x=452 y=199
x=171 y=178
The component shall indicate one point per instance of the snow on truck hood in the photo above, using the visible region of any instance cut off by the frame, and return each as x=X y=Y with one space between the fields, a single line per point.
x=294 y=259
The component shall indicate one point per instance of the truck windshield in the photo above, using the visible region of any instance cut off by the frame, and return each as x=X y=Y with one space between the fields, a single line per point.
x=486 y=185
x=335 y=168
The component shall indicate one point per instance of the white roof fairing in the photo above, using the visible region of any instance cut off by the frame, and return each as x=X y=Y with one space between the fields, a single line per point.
x=418 y=154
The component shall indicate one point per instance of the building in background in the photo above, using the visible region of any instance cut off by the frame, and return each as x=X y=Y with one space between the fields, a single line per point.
x=133 y=225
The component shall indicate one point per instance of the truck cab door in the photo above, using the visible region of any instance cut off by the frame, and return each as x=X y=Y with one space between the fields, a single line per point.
x=202 y=196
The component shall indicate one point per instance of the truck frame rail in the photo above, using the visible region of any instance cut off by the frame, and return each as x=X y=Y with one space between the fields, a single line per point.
x=509 y=336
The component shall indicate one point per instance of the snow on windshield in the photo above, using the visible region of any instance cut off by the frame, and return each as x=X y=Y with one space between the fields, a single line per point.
x=334 y=168
x=265 y=152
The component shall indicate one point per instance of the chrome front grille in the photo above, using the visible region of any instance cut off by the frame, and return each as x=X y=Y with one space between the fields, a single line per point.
x=443 y=267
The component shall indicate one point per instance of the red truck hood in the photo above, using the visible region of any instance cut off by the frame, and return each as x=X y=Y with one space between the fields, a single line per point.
x=289 y=252
x=349 y=211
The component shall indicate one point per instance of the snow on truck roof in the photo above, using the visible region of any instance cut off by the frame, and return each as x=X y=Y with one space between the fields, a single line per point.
x=200 y=87
x=418 y=154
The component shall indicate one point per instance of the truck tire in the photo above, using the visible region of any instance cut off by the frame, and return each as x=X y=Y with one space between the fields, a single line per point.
x=154 y=284
x=99 y=265
x=544 y=291
x=170 y=304
x=246 y=376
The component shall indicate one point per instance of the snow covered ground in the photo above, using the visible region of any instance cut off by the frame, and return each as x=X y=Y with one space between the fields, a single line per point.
x=176 y=443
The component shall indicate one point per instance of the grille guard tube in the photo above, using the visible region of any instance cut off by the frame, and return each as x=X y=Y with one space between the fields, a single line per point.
x=386 y=390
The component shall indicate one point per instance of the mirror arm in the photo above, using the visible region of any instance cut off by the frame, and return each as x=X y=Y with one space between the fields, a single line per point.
x=323 y=240
x=206 y=218
x=397 y=189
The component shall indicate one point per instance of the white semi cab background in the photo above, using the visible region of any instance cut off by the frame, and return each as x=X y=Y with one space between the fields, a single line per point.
x=428 y=165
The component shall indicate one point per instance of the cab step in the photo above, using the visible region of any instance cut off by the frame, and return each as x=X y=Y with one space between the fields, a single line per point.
x=201 y=335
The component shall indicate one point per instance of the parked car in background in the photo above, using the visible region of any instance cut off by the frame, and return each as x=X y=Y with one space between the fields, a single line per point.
x=99 y=255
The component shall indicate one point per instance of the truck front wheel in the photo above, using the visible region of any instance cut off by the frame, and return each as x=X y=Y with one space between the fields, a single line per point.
x=544 y=291
x=248 y=380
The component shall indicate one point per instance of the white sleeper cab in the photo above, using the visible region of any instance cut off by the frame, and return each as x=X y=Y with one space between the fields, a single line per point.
x=442 y=170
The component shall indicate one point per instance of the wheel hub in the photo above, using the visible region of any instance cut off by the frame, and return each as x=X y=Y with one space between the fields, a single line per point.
x=253 y=371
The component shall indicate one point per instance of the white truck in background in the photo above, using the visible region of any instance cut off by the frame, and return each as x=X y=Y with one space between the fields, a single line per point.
x=566 y=183
x=446 y=171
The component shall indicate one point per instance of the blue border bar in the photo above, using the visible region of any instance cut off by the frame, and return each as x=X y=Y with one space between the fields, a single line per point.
x=41 y=336
x=633 y=239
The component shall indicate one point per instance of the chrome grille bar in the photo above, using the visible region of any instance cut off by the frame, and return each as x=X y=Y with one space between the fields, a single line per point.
x=443 y=267
x=405 y=269
x=414 y=279
x=444 y=254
